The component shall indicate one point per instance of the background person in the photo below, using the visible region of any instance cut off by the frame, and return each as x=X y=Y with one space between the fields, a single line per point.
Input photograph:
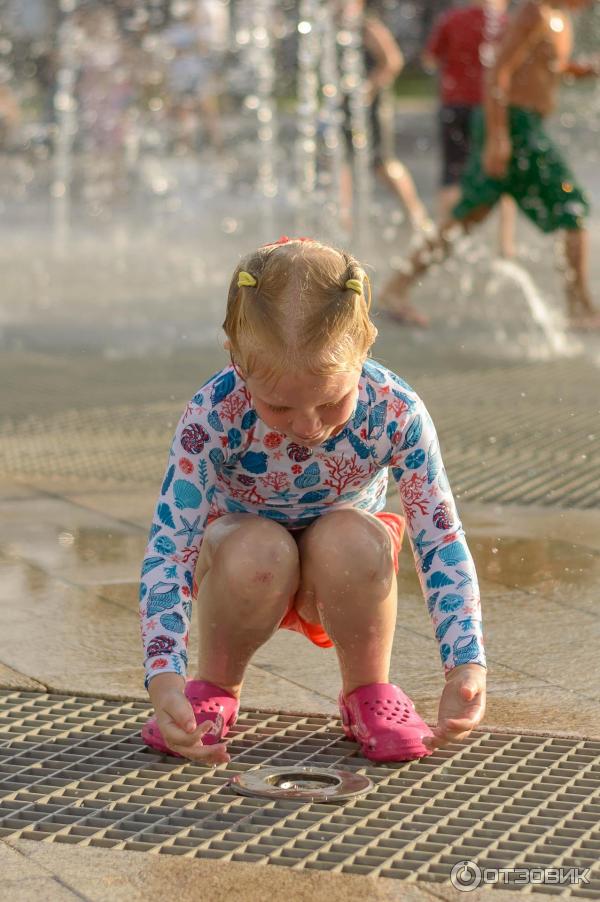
x=383 y=60
x=513 y=154
x=461 y=45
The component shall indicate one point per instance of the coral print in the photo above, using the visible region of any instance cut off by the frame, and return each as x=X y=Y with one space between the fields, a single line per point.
x=224 y=459
x=413 y=496
x=343 y=472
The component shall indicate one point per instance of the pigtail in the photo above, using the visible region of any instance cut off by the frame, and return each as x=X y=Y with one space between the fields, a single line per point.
x=355 y=279
x=243 y=299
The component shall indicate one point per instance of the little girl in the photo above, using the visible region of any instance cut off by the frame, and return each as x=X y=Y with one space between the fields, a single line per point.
x=271 y=515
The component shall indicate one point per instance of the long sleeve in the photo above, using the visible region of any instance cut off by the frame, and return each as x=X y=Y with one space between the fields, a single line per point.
x=196 y=457
x=442 y=558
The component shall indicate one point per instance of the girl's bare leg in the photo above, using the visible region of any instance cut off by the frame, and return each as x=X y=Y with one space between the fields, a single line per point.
x=248 y=570
x=348 y=584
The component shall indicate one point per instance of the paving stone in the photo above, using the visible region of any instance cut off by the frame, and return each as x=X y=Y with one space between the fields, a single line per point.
x=131 y=877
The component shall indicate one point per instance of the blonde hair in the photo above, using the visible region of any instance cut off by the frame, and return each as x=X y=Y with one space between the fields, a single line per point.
x=308 y=309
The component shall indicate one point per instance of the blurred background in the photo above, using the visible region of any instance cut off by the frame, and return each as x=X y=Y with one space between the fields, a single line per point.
x=146 y=143
x=144 y=146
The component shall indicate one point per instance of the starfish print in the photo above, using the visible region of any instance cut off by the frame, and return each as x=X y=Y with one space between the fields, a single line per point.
x=466 y=579
x=189 y=530
x=151 y=624
x=420 y=543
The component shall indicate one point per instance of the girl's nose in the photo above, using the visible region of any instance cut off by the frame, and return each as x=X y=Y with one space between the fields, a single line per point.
x=307 y=427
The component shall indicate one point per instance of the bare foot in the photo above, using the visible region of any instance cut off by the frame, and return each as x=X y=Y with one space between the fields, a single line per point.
x=585 y=322
x=393 y=303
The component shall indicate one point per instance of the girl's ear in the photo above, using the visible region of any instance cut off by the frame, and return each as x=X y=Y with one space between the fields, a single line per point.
x=227 y=344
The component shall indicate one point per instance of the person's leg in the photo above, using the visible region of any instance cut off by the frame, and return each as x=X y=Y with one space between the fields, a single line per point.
x=348 y=583
x=395 y=174
x=455 y=143
x=247 y=571
x=506 y=227
x=434 y=249
x=448 y=197
x=580 y=308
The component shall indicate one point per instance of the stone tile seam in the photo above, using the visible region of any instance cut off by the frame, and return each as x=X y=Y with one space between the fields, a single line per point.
x=57 y=496
x=71 y=583
x=492 y=661
x=49 y=874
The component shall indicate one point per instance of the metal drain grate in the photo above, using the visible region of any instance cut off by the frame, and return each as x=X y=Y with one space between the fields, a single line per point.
x=74 y=770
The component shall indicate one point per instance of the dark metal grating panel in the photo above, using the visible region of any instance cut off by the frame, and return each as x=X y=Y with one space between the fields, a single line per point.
x=73 y=770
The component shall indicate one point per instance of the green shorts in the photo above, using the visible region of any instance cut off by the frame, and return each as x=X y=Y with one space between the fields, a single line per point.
x=538 y=178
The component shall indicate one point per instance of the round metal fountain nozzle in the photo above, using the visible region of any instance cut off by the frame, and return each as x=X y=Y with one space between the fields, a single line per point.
x=309 y=784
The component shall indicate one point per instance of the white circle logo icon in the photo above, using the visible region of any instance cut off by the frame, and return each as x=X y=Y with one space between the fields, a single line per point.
x=465 y=876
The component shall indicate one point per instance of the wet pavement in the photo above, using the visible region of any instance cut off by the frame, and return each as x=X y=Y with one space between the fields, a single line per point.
x=92 y=386
x=70 y=562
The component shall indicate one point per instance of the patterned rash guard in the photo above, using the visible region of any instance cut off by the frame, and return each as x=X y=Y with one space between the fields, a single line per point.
x=224 y=459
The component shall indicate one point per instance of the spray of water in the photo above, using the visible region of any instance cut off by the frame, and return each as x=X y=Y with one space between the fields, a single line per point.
x=556 y=341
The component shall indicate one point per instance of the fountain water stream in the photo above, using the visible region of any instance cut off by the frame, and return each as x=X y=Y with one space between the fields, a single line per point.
x=144 y=255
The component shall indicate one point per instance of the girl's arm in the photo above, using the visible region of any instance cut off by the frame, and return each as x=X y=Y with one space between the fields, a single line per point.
x=443 y=561
x=168 y=568
x=196 y=457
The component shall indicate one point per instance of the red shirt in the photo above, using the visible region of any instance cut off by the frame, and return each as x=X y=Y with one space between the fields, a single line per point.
x=456 y=44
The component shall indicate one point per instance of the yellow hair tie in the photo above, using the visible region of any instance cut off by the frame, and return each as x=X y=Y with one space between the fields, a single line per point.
x=245 y=279
x=355 y=285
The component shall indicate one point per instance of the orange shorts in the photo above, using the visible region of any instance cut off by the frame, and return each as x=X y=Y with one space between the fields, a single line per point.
x=394 y=524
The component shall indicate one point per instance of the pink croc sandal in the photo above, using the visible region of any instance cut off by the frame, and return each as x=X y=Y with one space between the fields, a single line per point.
x=209 y=702
x=382 y=718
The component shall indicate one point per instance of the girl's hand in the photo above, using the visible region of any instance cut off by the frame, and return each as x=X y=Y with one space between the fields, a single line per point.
x=462 y=705
x=177 y=722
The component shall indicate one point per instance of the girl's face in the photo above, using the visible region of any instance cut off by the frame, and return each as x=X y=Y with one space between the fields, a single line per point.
x=307 y=408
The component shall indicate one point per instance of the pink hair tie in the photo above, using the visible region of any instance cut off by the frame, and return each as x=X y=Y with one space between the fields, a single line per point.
x=284 y=240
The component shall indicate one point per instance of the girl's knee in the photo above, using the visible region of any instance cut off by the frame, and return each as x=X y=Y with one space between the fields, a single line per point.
x=258 y=559
x=352 y=545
